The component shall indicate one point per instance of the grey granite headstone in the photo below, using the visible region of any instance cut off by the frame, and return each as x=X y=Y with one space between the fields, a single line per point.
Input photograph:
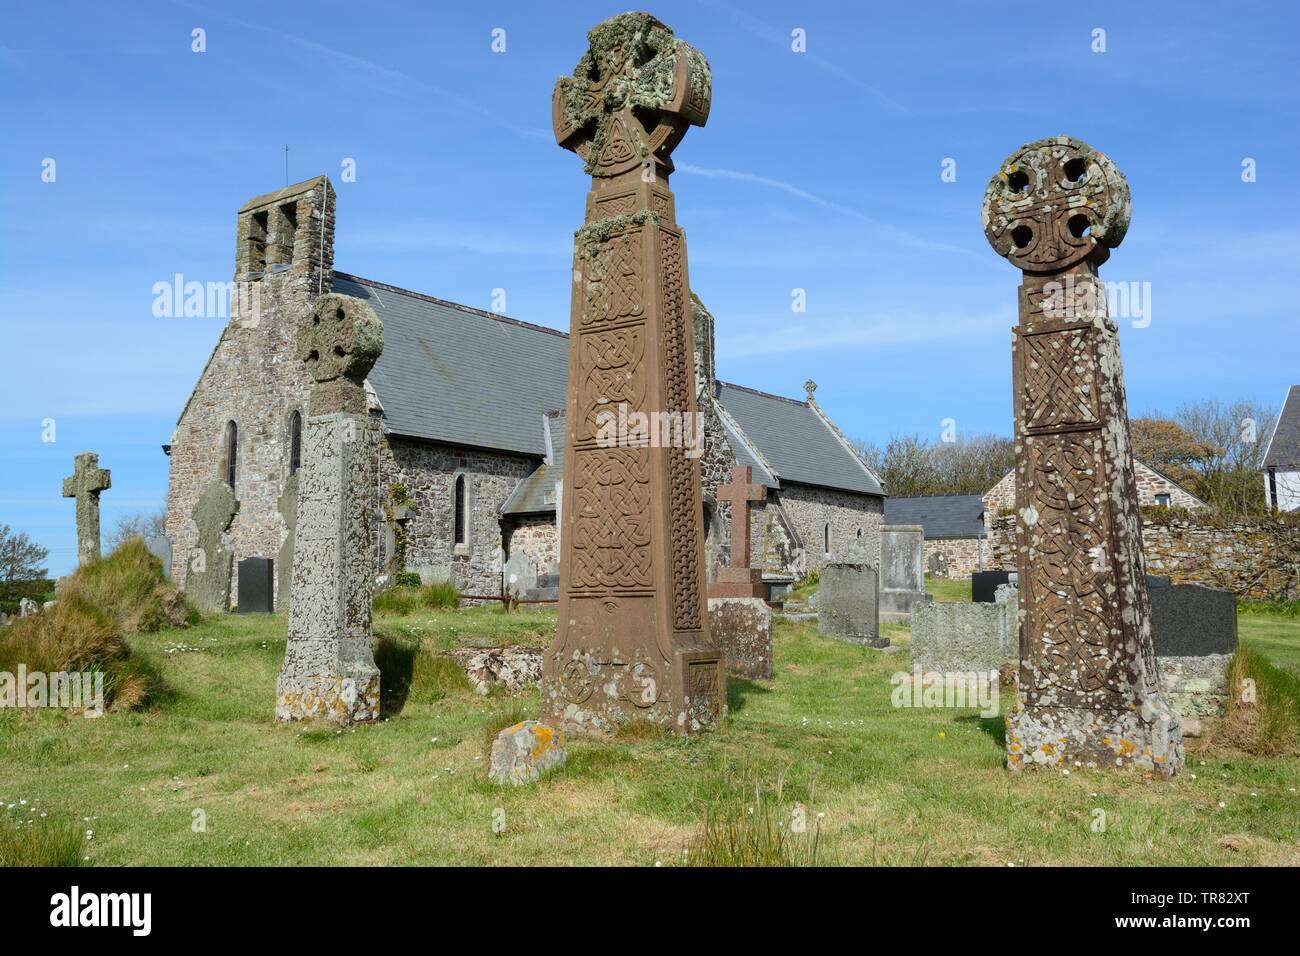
x=902 y=570
x=847 y=605
x=207 y=582
x=329 y=667
x=1188 y=620
x=160 y=546
x=256 y=581
x=962 y=636
x=519 y=576
x=288 y=505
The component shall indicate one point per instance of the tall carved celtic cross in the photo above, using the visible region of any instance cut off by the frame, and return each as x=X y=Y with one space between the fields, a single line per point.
x=85 y=483
x=1089 y=690
x=633 y=639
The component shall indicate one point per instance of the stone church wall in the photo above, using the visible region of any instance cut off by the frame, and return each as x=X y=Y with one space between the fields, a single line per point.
x=253 y=376
x=854 y=521
x=535 y=535
x=428 y=471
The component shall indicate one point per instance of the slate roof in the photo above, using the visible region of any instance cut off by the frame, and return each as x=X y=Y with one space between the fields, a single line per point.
x=796 y=441
x=1284 y=447
x=942 y=516
x=451 y=373
x=454 y=374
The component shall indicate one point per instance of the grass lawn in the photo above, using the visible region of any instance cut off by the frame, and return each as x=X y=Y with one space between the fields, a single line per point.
x=894 y=785
x=948 y=589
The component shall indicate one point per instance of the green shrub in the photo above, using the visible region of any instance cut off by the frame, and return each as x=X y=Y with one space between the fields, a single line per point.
x=441 y=595
x=407 y=579
x=130 y=587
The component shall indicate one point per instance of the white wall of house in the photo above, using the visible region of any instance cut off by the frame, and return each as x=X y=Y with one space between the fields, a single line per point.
x=1288 y=490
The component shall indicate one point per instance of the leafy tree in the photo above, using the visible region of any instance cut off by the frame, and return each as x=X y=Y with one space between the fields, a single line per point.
x=21 y=558
x=1170 y=449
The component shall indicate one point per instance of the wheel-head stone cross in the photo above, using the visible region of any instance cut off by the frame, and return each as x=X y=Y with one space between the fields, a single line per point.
x=1054 y=203
x=339 y=339
x=631 y=97
x=85 y=483
x=739 y=493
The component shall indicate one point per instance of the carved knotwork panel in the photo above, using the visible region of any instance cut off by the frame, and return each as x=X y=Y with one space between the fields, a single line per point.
x=1060 y=380
x=611 y=372
x=613 y=287
x=685 y=512
x=610 y=530
x=1070 y=579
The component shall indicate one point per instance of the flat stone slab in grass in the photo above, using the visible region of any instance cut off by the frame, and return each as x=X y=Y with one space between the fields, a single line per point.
x=522 y=753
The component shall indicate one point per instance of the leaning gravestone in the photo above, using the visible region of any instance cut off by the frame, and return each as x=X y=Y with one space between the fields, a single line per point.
x=847 y=604
x=256 y=586
x=288 y=506
x=85 y=483
x=1089 y=691
x=160 y=546
x=329 y=667
x=207 y=581
x=902 y=569
x=633 y=638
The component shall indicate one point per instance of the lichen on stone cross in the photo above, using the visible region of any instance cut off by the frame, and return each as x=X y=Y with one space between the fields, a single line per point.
x=1054 y=203
x=84 y=484
x=339 y=339
x=631 y=96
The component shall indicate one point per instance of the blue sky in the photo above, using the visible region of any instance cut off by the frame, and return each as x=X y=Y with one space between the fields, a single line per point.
x=818 y=170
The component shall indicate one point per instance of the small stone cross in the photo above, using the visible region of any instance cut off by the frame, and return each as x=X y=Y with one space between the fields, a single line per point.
x=85 y=483
x=738 y=494
x=339 y=339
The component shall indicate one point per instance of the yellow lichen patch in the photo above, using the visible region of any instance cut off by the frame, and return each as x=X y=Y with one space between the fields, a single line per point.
x=1047 y=749
x=1126 y=747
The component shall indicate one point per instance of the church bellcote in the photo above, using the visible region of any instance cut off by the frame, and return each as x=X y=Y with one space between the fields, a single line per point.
x=288 y=235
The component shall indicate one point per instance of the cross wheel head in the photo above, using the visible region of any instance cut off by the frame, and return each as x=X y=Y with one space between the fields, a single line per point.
x=1054 y=203
x=632 y=96
x=340 y=337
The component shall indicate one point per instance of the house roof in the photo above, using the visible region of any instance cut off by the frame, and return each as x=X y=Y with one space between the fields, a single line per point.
x=454 y=374
x=942 y=516
x=1284 y=446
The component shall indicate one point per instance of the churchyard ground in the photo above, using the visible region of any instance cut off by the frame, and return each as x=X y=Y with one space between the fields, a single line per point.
x=877 y=783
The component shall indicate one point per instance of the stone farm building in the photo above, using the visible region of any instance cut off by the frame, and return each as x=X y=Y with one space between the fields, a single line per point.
x=469 y=404
x=957 y=527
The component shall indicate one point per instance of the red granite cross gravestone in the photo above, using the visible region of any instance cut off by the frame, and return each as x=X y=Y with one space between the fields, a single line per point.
x=740 y=580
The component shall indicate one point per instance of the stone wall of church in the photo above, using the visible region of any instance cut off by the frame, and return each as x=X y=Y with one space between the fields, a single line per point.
x=535 y=535
x=253 y=377
x=428 y=471
x=957 y=557
x=854 y=522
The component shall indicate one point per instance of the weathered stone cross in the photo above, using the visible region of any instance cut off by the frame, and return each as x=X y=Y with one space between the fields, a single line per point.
x=633 y=639
x=339 y=340
x=85 y=483
x=739 y=579
x=1089 y=691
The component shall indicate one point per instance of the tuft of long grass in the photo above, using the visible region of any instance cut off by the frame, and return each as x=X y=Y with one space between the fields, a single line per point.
x=39 y=841
x=1262 y=713
x=406 y=600
x=750 y=826
x=85 y=629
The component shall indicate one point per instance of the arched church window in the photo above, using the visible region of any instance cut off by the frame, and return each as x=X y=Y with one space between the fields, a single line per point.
x=230 y=466
x=295 y=442
x=458 y=495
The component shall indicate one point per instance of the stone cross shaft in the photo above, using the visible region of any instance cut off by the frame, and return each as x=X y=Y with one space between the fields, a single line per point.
x=329 y=668
x=1089 y=692
x=85 y=483
x=633 y=639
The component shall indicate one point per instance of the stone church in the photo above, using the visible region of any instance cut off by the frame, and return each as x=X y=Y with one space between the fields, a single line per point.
x=470 y=408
